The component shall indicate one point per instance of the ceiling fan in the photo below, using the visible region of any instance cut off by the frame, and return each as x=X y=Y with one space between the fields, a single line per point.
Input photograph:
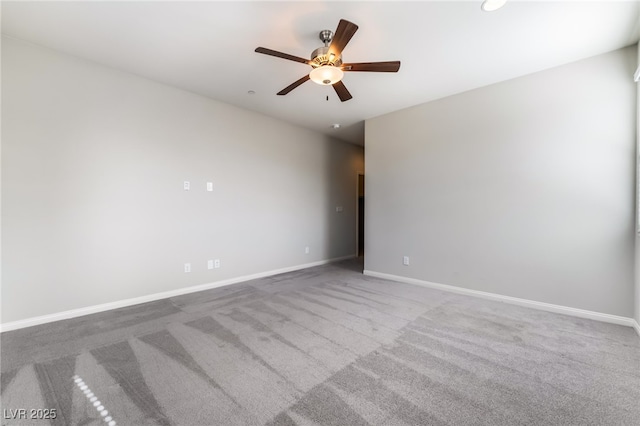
x=326 y=61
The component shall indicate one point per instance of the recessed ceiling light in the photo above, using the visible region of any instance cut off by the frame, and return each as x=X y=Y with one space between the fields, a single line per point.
x=335 y=126
x=251 y=92
x=491 y=5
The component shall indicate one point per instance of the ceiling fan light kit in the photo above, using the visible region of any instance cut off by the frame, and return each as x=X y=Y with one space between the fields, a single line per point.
x=326 y=74
x=326 y=61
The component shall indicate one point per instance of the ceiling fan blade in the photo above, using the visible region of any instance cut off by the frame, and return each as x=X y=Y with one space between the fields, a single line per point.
x=277 y=54
x=343 y=34
x=390 y=66
x=293 y=85
x=342 y=91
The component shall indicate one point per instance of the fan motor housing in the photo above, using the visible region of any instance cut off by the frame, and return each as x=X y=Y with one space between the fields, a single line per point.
x=321 y=56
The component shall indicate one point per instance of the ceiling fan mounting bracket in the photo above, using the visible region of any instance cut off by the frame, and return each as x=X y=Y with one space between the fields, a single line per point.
x=326 y=36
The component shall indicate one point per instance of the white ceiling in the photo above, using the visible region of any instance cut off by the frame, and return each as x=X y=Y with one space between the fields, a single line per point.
x=445 y=47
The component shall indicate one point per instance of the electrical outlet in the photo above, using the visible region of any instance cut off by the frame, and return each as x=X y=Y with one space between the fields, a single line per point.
x=210 y=264
x=187 y=267
x=306 y=250
x=339 y=209
x=186 y=185
x=216 y=263
x=405 y=260
x=209 y=186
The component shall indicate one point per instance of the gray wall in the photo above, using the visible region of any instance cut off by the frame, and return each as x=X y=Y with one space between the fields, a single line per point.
x=524 y=188
x=93 y=210
x=637 y=276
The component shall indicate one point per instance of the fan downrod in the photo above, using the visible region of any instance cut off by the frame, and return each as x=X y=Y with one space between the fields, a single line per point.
x=326 y=36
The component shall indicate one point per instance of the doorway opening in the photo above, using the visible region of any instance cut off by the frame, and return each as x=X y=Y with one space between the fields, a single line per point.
x=360 y=217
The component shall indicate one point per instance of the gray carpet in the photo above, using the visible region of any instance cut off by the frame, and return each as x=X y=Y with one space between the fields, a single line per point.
x=323 y=346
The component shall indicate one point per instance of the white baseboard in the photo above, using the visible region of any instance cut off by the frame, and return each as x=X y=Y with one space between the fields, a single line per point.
x=559 y=309
x=29 y=322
